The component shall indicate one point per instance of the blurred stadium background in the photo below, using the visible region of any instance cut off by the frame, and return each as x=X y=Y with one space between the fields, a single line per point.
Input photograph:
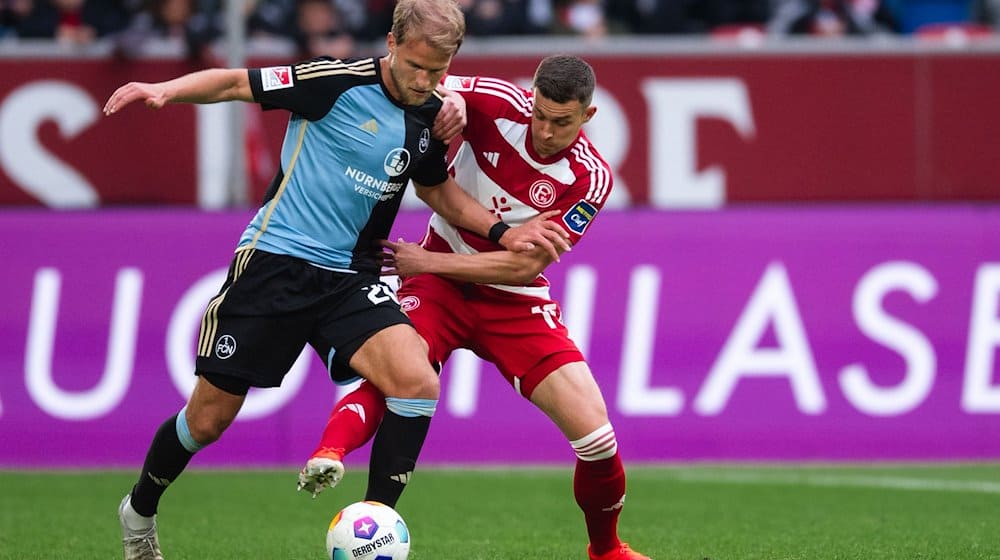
x=800 y=263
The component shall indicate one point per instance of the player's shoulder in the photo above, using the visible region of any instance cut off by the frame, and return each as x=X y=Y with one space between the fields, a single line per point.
x=585 y=156
x=460 y=84
x=347 y=71
x=488 y=91
x=591 y=170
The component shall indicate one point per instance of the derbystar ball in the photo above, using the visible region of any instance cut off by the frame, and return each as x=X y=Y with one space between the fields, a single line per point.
x=367 y=531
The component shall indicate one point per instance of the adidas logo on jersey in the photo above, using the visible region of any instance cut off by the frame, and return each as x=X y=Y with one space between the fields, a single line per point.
x=492 y=157
x=370 y=126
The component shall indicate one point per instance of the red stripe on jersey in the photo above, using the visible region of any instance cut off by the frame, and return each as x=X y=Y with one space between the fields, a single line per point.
x=514 y=95
x=600 y=176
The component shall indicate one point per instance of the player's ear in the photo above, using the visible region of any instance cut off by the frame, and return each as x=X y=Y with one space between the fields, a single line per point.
x=390 y=43
x=588 y=113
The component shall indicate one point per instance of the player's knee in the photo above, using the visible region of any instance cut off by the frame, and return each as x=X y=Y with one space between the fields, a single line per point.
x=418 y=383
x=207 y=428
x=579 y=418
x=597 y=412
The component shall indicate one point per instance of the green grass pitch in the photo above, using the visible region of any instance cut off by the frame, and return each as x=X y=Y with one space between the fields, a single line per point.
x=690 y=512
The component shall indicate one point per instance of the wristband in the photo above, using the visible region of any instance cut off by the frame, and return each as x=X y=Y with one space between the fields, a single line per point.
x=496 y=232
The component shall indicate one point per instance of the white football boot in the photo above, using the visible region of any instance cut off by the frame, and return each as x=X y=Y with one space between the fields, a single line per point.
x=141 y=544
x=321 y=471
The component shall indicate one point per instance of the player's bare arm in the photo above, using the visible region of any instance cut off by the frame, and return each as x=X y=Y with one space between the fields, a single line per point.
x=452 y=117
x=493 y=267
x=459 y=209
x=205 y=86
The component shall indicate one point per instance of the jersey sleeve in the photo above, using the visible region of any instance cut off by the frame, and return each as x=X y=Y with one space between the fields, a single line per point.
x=308 y=88
x=581 y=203
x=433 y=168
x=488 y=98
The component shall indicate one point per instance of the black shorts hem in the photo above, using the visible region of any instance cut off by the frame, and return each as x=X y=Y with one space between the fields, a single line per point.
x=212 y=371
x=228 y=383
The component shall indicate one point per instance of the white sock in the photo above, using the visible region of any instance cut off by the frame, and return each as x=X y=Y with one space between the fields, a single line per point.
x=135 y=521
x=597 y=445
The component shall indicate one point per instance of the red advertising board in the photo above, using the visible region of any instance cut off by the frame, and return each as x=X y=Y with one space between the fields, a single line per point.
x=58 y=149
x=686 y=129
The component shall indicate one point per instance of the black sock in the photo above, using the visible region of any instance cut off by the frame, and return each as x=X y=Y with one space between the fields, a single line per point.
x=394 y=456
x=165 y=461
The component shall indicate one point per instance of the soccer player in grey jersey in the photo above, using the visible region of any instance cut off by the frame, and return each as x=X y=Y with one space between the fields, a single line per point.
x=305 y=269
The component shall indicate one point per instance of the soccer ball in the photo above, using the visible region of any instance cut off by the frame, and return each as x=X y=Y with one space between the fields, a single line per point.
x=367 y=531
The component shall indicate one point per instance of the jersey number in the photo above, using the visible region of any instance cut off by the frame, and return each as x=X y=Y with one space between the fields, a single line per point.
x=548 y=312
x=380 y=293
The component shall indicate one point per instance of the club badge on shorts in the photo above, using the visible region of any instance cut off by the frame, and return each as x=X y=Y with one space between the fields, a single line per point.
x=225 y=347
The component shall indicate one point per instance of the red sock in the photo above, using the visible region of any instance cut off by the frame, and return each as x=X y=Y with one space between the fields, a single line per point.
x=354 y=420
x=599 y=487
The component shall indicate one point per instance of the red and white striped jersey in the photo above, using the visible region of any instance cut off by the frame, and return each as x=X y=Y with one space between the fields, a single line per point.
x=499 y=167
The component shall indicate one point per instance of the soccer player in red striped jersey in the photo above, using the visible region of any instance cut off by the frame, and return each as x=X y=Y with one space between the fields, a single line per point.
x=525 y=156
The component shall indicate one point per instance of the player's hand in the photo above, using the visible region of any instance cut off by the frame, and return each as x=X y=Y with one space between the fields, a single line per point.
x=154 y=96
x=452 y=118
x=403 y=258
x=538 y=232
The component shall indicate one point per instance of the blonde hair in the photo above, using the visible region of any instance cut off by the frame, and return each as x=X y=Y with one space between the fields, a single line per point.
x=439 y=22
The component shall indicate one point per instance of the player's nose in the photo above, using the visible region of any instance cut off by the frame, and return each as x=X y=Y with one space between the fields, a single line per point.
x=423 y=79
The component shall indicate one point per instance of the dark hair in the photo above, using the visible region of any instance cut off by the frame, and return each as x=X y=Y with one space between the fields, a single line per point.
x=564 y=78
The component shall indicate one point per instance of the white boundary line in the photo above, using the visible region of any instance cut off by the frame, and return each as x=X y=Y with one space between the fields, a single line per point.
x=840 y=481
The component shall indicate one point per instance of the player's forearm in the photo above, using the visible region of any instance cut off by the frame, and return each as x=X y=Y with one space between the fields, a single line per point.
x=210 y=86
x=494 y=267
x=458 y=208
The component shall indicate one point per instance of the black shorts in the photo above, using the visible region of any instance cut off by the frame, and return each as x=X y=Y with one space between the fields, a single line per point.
x=272 y=305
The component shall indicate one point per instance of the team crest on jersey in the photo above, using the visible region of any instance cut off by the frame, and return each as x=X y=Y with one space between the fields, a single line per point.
x=579 y=216
x=396 y=162
x=409 y=303
x=425 y=140
x=459 y=83
x=276 y=77
x=542 y=194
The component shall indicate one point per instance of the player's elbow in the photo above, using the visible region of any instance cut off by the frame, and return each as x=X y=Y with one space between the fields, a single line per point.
x=430 y=196
x=423 y=193
x=525 y=274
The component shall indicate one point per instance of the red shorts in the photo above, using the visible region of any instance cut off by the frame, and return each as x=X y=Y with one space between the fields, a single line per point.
x=522 y=335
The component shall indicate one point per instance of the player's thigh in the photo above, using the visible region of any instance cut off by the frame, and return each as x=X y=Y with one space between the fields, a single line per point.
x=440 y=313
x=571 y=397
x=524 y=338
x=395 y=360
x=362 y=332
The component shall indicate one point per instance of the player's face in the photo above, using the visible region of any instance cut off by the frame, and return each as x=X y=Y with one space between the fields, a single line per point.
x=554 y=126
x=415 y=68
